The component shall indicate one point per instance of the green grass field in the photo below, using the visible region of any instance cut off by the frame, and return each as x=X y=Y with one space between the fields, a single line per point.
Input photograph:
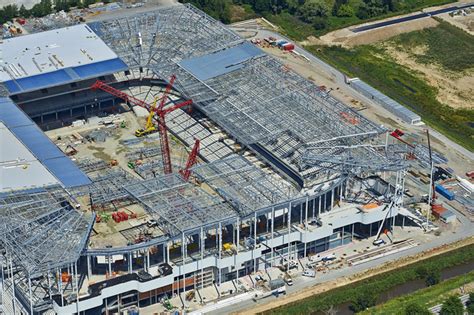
x=447 y=46
x=379 y=284
x=373 y=65
x=427 y=297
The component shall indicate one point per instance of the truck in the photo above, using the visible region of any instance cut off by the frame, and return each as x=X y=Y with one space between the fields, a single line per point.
x=276 y=284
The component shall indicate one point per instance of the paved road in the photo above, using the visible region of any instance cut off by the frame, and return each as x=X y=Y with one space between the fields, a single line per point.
x=409 y=18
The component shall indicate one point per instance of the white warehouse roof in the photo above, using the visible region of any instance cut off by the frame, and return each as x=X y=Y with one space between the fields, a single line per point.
x=39 y=53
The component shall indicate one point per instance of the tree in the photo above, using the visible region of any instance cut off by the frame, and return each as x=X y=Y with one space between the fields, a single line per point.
x=24 y=12
x=452 y=306
x=416 y=309
x=345 y=10
x=43 y=8
x=9 y=12
x=320 y=23
x=61 y=5
x=470 y=304
x=312 y=9
x=371 y=8
x=364 y=300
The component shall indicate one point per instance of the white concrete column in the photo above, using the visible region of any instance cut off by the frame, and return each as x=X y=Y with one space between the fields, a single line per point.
x=110 y=265
x=255 y=239
x=289 y=231
x=238 y=235
x=272 y=231
x=320 y=203
x=332 y=198
x=305 y=225
x=89 y=269
x=220 y=255
x=352 y=235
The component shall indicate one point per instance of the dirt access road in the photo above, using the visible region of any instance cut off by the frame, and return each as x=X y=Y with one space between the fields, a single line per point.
x=326 y=286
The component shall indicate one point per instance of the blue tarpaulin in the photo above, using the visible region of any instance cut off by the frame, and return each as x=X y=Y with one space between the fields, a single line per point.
x=221 y=62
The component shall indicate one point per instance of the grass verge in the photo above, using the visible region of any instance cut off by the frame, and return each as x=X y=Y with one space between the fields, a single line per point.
x=427 y=297
x=380 y=283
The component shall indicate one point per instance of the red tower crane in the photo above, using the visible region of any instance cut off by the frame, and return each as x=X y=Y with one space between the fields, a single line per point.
x=192 y=159
x=161 y=112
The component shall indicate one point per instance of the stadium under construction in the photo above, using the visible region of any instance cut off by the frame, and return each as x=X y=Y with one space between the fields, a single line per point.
x=284 y=169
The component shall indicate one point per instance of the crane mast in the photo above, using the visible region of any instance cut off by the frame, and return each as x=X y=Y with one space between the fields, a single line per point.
x=192 y=159
x=155 y=113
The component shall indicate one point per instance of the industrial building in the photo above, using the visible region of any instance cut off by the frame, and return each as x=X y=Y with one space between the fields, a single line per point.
x=306 y=177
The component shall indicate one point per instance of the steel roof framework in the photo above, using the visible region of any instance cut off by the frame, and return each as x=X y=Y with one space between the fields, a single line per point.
x=42 y=230
x=244 y=185
x=180 y=206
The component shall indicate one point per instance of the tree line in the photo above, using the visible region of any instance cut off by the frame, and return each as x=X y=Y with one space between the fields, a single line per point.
x=314 y=12
x=43 y=8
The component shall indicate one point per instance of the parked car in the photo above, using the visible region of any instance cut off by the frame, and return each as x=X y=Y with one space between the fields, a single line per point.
x=378 y=242
x=309 y=273
x=329 y=257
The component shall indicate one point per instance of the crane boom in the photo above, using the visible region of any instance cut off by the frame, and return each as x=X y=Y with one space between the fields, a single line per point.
x=100 y=85
x=433 y=191
x=167 y=91
x=192 y=159
x=155 y=113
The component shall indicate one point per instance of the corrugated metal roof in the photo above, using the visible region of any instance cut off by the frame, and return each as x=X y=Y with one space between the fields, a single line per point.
x=34 y=139
x=40 y=146
x=221 y=62
x=65 y=76
x=59 y=56
x=388 y=103
x=66 y=171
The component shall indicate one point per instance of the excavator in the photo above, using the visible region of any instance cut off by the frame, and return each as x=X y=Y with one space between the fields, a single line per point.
x=150 y=126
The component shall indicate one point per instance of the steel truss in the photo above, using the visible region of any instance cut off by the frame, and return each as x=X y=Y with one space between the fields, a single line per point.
x=179 y=205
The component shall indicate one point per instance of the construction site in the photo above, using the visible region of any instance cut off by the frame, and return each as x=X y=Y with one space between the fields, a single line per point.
x=161 y=162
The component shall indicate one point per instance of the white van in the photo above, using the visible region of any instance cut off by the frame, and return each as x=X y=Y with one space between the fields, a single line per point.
x=378 y=242
x=309 y=273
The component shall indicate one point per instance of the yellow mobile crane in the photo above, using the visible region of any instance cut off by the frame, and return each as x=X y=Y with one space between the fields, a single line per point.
x=150 y=126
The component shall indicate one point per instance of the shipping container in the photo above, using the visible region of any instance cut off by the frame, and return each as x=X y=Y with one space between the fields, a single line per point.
x=444 y=192
x=288 y=47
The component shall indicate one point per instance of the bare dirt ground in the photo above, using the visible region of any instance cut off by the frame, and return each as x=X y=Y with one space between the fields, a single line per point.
x=326 y=286
x=454 y=89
